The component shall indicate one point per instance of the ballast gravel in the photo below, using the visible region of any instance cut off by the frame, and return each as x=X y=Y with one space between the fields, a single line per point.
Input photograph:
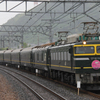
x=19 y=91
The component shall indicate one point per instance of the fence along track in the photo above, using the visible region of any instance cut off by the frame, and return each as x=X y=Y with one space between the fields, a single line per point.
x=40 y=98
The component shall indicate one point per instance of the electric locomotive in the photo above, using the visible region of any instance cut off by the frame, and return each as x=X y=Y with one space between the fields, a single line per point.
x=79 y=61
x=87 y=63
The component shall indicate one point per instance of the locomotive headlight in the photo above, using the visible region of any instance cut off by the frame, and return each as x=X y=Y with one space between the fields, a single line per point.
x=81 y=76
x=84 y=42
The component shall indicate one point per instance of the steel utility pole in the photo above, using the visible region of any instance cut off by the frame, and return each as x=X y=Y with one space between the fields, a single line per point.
x=51 y=23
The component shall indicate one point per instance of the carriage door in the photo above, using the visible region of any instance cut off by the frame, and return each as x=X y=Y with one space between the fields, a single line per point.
x=71 y=57
x=33 y=57
x=48 y=58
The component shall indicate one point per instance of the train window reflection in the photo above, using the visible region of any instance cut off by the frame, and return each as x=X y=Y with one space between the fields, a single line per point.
x=98 y=49
x=44 y=56
x=84 y=50
x=41 y=56
x=65 y=56
x=59 y=55
x=37 y=57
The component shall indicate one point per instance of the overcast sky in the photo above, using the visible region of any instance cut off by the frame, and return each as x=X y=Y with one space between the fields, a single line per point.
x=5 y=16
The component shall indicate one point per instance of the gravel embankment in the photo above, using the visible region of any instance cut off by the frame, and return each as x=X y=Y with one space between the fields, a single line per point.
x=23 y=94
x=13 y=89
x=6 y=91
x=67 y=92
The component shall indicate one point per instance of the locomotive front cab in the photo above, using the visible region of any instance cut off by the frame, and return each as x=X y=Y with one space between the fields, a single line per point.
x=87 y=64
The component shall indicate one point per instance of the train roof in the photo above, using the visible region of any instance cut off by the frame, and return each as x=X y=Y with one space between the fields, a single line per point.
x=58 y=46
x=89 y=42
x=8 y=51
x=2 y=51
x=17 y=50
x=27 y=49
x=74 y=35
x=45 y=45
x=40 y=49
x=77 y=43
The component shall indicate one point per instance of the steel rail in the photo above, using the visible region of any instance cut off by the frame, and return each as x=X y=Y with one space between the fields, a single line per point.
x=81 y=90
x=37 y=95
x=51 y=91
x=71 y=86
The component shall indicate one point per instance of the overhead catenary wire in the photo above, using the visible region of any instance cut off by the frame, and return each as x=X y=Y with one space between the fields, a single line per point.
x=70 y=10
x=79 y=15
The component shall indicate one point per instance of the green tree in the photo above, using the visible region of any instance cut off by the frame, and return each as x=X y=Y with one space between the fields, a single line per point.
x=25 y=45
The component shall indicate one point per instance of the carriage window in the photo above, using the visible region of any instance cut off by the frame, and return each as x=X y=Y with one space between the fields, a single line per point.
x=59 y=55
x=56 y=56
x=68 y=56
x=65 y=56
x=51 y=57
x=44 y=56
x=98 y=49
x=41 y=56
x=37 y=57
x=83 y=50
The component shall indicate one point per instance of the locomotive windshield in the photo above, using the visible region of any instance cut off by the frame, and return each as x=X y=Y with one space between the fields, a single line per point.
x=98 y=49
x=84 y=49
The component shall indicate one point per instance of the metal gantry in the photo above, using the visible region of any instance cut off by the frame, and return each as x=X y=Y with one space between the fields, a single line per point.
x=24 y=29
x=9 y=40
x=29 y=11
x=70 y=8
x=14 y=30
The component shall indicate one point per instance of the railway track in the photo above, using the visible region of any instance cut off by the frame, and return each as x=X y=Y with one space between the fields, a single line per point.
x=73 y=87
x=81 y=90
x=33 y=86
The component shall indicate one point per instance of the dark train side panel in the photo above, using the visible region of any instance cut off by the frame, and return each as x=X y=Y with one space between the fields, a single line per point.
x=61 y=59
x=40 y=58
x=25 y=56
